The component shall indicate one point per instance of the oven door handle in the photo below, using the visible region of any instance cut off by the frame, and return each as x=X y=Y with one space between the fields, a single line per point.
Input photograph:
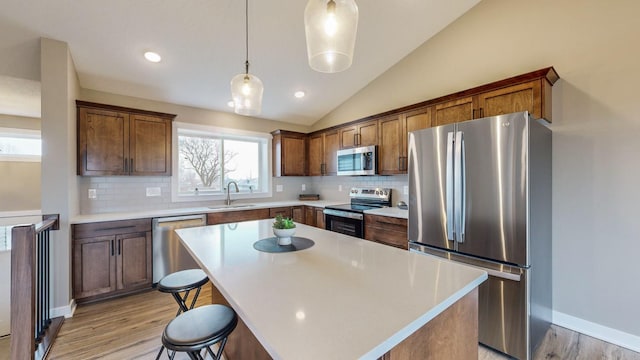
x=344 y=214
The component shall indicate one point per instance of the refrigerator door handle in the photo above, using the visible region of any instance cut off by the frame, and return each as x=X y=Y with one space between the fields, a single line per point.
x=462 y=168
x=449 y=188
x=459 y=186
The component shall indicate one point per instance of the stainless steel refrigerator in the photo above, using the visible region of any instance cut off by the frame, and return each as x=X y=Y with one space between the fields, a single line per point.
x=480 y=194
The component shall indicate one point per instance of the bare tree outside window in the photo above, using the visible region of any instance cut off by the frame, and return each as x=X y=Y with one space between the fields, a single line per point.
x=203 y=156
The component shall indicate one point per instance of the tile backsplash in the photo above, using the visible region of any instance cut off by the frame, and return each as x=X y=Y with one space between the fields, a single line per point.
x=128 y=193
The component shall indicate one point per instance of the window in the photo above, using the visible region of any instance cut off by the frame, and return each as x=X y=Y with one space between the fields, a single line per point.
x=207 y=159
x=20 y=145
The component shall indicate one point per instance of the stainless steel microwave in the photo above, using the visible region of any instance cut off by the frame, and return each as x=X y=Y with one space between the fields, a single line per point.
x=357 y=161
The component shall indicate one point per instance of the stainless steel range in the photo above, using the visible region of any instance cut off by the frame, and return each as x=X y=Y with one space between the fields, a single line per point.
x=349 y=218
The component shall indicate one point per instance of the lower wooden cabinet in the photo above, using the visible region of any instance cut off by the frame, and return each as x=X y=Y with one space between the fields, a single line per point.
x=111 y=258
x=386 y=230
x=314 y=216
x=282 y=211
x=297 y=214
x=237 y=216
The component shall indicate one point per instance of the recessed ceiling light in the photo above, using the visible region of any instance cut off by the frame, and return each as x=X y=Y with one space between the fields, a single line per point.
x=299 y=94
x=230 y=104
x=152 y=56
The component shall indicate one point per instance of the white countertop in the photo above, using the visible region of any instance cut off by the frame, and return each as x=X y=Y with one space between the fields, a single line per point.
x=90 y=218
x=389 y=211
x=343 y=298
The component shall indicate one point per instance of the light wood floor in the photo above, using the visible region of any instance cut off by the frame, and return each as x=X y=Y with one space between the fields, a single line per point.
x=130 y=328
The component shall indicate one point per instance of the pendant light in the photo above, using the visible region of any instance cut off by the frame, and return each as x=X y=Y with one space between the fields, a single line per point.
x=247 y=89
x=330 y=27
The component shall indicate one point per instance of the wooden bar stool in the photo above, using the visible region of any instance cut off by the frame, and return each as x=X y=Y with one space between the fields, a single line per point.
x=179 y=284
x=199 y=329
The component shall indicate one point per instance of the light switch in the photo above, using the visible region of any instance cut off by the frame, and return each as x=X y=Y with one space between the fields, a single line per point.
x=304 y=187
x=279 y=188
x=92 y=194
x=339 y=187
x=405 y=190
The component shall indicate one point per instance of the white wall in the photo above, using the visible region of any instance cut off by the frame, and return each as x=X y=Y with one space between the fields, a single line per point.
x=60 y=88
x=593 y=45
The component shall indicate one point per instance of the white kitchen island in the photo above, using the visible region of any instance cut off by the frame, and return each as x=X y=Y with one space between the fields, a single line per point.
x=343 y=298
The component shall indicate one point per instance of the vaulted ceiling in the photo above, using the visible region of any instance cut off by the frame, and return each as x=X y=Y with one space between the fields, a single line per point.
x=202 y=47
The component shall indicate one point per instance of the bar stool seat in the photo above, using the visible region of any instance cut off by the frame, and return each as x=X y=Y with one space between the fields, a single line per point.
x=200 y=328
x=183 y=282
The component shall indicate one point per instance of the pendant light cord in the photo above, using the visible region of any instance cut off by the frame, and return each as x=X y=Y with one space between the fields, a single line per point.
x=246 y=29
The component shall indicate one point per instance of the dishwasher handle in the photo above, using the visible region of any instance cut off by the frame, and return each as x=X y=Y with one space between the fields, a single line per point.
x=160 y=221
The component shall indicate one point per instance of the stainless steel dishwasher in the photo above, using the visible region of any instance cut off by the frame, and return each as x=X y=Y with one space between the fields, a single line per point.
x=169 y=255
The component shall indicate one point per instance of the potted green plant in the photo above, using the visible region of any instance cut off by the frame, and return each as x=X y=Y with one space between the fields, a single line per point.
x=283 y=229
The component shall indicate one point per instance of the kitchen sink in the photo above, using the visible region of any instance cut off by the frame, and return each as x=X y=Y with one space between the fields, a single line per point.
x=232 y=206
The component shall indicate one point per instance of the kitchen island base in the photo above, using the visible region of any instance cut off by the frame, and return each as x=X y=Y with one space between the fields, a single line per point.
x=453 y=334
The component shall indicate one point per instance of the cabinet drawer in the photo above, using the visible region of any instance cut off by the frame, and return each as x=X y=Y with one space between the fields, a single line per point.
x=386 y=222
x=386 y=230
x=106 y=228
x=237 y=216
x=283 y=211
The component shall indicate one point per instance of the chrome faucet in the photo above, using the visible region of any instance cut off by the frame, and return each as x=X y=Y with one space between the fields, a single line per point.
x=229 y=195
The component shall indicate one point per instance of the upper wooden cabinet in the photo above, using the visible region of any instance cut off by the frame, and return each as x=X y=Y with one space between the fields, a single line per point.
x=389 y=130
x=453 y=111
x=394 y=137
x=529 y=92
x=114 y=140
x=322 y=157
x=289 y=153
x=360 y=134
x=527 y=96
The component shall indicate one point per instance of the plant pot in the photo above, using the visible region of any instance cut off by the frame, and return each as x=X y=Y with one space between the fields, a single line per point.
x=284 y=235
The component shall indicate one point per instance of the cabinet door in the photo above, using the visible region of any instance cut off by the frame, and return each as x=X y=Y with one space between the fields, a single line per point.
x=103 y=142
x=319 y=218
x=368 y=133
x=297 y=214
x=134 y=268
x=331 y=147
x=454 y=111
x=413 y=120
x=347 y=136
x=316 y=155
x=94 y=266
x=150 y=146
x=390 y=153
x=293 y=151
x=521 y=97
x=310 y=215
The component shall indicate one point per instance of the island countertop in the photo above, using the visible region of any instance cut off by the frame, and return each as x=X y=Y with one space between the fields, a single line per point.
x=343 y=298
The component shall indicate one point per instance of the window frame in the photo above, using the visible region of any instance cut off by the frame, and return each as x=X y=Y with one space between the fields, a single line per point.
x=264 y=139
x=18 y=133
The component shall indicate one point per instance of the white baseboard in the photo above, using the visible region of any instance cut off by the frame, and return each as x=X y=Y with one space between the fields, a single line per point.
x=66 y=311
x=617 y=337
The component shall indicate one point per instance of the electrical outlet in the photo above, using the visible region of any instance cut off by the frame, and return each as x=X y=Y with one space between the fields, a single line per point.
x=339 y=187
x=279 y=188
x=405 y=190
x=304 y=187
x=153 y=191
x=92 y=194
